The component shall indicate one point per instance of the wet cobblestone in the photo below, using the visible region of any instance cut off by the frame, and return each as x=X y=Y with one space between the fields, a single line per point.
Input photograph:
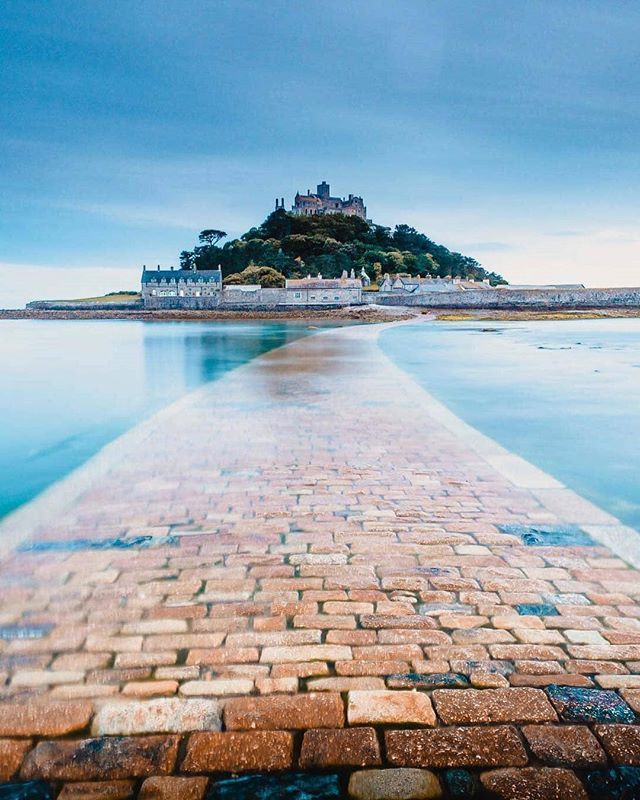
x=323 y=583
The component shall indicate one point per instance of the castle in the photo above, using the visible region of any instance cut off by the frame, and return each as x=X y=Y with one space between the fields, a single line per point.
x=322 y=203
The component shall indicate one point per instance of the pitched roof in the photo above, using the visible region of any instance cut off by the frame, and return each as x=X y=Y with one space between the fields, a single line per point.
x=197 y=276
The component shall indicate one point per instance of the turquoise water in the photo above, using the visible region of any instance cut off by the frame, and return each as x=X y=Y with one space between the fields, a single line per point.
x=564 y=395
x=68 y=388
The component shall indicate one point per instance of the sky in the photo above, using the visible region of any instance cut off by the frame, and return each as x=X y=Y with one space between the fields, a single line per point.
x=507 y=130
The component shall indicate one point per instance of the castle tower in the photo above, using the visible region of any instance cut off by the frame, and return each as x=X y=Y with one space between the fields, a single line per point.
x=323 y=190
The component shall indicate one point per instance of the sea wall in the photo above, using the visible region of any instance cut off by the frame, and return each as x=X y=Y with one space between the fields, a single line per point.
x=262 y=299
x=543 y=299
x=54 y=305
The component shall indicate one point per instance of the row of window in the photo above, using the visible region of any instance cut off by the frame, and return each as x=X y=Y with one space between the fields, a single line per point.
x=181 y=293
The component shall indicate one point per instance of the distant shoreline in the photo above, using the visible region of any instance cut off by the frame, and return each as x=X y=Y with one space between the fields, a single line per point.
x=368 y=313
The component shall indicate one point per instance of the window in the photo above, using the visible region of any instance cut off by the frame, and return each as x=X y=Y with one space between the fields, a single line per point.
x=153 y=292
x=298 y=294
x=181 y=292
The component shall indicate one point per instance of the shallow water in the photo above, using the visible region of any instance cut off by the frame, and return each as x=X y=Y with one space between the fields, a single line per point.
x=564 y=395
x=69 y=387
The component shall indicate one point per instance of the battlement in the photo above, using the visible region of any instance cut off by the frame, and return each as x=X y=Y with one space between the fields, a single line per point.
x=323 y=203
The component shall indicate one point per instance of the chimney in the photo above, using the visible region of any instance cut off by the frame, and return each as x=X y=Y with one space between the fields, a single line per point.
x=344 y=274
x=319 y=276
x=144 y=267
x=276 y=203
x=158 y=267
x=171 y=269
x=282 y=202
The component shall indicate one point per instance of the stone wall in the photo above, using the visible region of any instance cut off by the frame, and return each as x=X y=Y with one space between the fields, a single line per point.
x=190 y=303
x=514 y=299
x=54 y=305
x=262 y=299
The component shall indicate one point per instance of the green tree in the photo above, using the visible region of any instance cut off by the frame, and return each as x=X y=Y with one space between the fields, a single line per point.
x=265 y=276
x=211 y=236
x=187 y=259
x=330 y=243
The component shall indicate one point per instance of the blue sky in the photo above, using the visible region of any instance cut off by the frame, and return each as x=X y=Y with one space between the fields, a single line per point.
x=506 y=129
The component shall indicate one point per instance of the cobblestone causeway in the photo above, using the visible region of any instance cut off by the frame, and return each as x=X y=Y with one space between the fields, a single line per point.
x=301 y=582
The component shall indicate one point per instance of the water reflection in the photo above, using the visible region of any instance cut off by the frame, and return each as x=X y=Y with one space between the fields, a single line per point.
x=69 y=387
x=564 y=395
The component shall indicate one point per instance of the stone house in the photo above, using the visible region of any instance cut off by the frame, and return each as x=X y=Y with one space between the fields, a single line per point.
x=411 y=284
x=310 y=291
x=181 y=288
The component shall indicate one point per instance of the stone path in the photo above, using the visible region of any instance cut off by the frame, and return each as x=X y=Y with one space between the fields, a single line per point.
x=301 y=583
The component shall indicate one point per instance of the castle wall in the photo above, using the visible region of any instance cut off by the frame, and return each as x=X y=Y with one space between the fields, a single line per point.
x=543 y=299
x=192 y=303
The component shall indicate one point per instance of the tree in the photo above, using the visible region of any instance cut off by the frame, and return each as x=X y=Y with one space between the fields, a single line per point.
x=211 y=236
x=265 y=276
x=187 y=259
x=295 y=245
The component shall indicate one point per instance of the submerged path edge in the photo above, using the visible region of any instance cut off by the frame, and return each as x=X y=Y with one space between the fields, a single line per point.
x=21 y=523
x=553 y=495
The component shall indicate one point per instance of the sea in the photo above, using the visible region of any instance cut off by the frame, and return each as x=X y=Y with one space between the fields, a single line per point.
x=67 y=388
x=565 y=395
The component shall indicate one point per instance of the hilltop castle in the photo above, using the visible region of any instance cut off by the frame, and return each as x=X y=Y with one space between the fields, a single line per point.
x=322 y=203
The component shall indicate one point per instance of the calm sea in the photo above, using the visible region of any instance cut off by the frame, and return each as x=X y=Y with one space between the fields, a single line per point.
x=68 y=388
x=564 y=395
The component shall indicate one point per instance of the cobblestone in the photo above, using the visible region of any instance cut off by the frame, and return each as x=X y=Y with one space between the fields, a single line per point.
x=239 y=752
x=99 y=790
x=316 y=580
x=534 y=784
x=12 y=751
x=111 y=757
x=302 y=711
x=392 y=707
x=456 y=747
x=173 y=789
x=340 y=748
x=493 y=705
x=171 y=715
x=394 y=784
x=570 y=745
